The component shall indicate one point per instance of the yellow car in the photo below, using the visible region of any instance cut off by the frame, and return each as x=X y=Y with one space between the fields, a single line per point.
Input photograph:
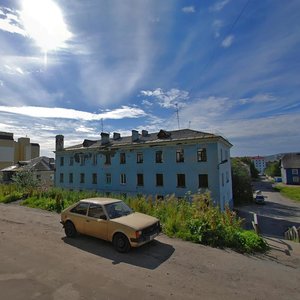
x=111 y=220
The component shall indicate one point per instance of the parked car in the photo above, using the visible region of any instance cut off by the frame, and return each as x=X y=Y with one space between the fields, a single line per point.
x=111 y=220
x=259 y=199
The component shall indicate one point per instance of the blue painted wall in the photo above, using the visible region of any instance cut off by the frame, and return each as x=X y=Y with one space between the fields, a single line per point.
x=288 y=178
x=215 y=166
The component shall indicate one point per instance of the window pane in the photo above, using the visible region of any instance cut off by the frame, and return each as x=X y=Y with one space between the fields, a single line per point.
x=81 y=209
x=71 y=178
x=61 y=177
x=158 y=157
x=122 y=158
x=180 y=155
x=107 y=159
x=95 y=211
x=139 y=158
x=180 y=180
x=159 y=180
x=201 y=154
x=140 y=179
x=108 y=178
x=94 y=178
x=81 y=177
x=203 y=181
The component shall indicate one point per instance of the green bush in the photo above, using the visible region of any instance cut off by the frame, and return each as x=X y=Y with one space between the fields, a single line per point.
x=195 y=220
x=14 y=196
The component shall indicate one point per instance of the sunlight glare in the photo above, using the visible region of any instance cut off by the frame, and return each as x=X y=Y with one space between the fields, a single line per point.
x=43 y=21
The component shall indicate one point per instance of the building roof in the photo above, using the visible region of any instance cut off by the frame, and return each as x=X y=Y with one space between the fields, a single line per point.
x=41 y=163
x=148 y=138
x=290 y=161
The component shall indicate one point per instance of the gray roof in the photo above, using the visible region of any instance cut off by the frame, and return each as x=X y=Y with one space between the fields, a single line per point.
x=149 y=138
x=41 y=163
x=290 y=161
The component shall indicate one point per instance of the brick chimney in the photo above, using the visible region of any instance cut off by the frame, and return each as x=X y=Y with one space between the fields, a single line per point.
x=104 y=138
x=135 y=135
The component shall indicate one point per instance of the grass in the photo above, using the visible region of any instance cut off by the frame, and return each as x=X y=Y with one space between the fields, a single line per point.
x=291 y=192
x=197 y=221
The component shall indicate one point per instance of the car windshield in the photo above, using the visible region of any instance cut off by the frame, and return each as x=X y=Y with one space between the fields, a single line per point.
x=117 y=210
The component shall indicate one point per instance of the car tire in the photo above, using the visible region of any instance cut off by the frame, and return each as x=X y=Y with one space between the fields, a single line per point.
x=121 y=243
x=70 y=229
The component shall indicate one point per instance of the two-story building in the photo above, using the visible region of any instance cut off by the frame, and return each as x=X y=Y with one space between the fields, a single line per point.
x=290 y=168
x=158 y=164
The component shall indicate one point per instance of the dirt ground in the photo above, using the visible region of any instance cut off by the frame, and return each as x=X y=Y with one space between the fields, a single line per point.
x=39 y=262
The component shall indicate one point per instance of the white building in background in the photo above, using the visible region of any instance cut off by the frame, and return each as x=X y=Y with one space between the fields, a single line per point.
x=259 y=163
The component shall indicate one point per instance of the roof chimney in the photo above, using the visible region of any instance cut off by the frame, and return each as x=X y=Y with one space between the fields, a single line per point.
x=135 y=135
x=116 y=136
x=59 y=142
x=144 y=133
x=104 y=138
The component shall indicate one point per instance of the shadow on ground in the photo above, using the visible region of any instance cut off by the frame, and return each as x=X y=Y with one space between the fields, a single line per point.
x=149 y=256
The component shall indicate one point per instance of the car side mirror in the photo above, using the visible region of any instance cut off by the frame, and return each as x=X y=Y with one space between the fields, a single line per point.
x=103 y=217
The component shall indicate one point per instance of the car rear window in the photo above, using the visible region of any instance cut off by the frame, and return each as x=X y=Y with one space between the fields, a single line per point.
x=95 y=211
x=80 y=209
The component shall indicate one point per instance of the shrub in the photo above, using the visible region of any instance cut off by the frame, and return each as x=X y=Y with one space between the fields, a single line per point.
x=14 y=196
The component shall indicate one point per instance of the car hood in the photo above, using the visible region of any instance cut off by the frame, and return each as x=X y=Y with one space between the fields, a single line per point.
x=136 y=220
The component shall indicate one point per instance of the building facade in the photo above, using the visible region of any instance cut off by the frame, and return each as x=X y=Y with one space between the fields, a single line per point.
x=158 y=164
x=290 y=168
x=11 y=151
x=259 y=163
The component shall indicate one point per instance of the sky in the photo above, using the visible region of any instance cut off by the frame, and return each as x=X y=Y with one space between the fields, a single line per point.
x=228 y=67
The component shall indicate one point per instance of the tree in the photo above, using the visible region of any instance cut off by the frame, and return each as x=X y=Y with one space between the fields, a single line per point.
x=241 y=181
x=273 y=169
x=25 y=180
x=254 y=172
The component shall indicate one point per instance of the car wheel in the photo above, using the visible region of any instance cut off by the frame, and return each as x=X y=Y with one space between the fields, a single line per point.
x=121 y=243
x=70 y=229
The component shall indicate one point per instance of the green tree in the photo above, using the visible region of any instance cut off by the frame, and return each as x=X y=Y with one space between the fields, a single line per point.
x=241 y=181
x=25 y=181
x=253 y=171
x=273 y=169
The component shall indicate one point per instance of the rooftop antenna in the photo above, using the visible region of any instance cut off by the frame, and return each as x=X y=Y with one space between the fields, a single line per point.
x=177 y=113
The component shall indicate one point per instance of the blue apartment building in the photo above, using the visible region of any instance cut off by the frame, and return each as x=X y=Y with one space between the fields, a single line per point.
x=158 y=164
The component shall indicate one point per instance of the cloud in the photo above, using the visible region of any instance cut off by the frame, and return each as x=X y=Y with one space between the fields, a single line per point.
x=217 y=25
x=259 y=98
x=64 y=113
x=189 y=9
x=218 y=6
x=227 y=42
x=10 y=21
x=168 y=99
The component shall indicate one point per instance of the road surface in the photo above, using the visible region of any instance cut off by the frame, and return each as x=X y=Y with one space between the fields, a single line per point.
x=276 y=216
x=39 y=262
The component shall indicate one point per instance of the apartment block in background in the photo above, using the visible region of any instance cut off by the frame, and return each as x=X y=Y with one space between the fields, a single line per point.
x=11 y=151
x=259 y=163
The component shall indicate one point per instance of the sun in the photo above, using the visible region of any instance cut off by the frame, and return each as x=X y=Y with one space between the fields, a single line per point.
x=43 y=21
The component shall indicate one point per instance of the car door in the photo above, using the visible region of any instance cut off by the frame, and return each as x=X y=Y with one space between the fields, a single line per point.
x=78 y=216
x=95 y=225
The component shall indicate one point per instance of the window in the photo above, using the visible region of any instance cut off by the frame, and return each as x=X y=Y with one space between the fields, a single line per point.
x=107 y=159
x=181 y=180
x=179 y=155
x=294 y=171
x=95 y=211
x=108 y=178
x=159 y=180
x=201 y=154
x=71 y=161
x=94 y=159
x=158 y=157
x=80 y=209
x=203 y=181
x=140 y=179
x=82 y=160
x=139 y=158
x=123 y=178
x=295 y=179
x=70 y=177
x=122 y=158
x=62 y=161
x=61 y=177
x=94 y=178
x=81 y=177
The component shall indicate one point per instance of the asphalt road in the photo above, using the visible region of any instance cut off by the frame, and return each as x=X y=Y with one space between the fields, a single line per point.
x=39 y=262
x=276 y=216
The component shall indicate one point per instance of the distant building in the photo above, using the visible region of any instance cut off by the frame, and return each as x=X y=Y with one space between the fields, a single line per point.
x=290 y=168
x=11 y=151
x=158 y=164
x=259 y=163
x=42 y=169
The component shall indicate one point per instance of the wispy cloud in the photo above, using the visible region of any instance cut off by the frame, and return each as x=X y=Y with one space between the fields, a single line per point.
x=168 y=99
x=64 y=113
x=219 y=5
x=10 y=21
x=189 y=9
x=227 y=42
